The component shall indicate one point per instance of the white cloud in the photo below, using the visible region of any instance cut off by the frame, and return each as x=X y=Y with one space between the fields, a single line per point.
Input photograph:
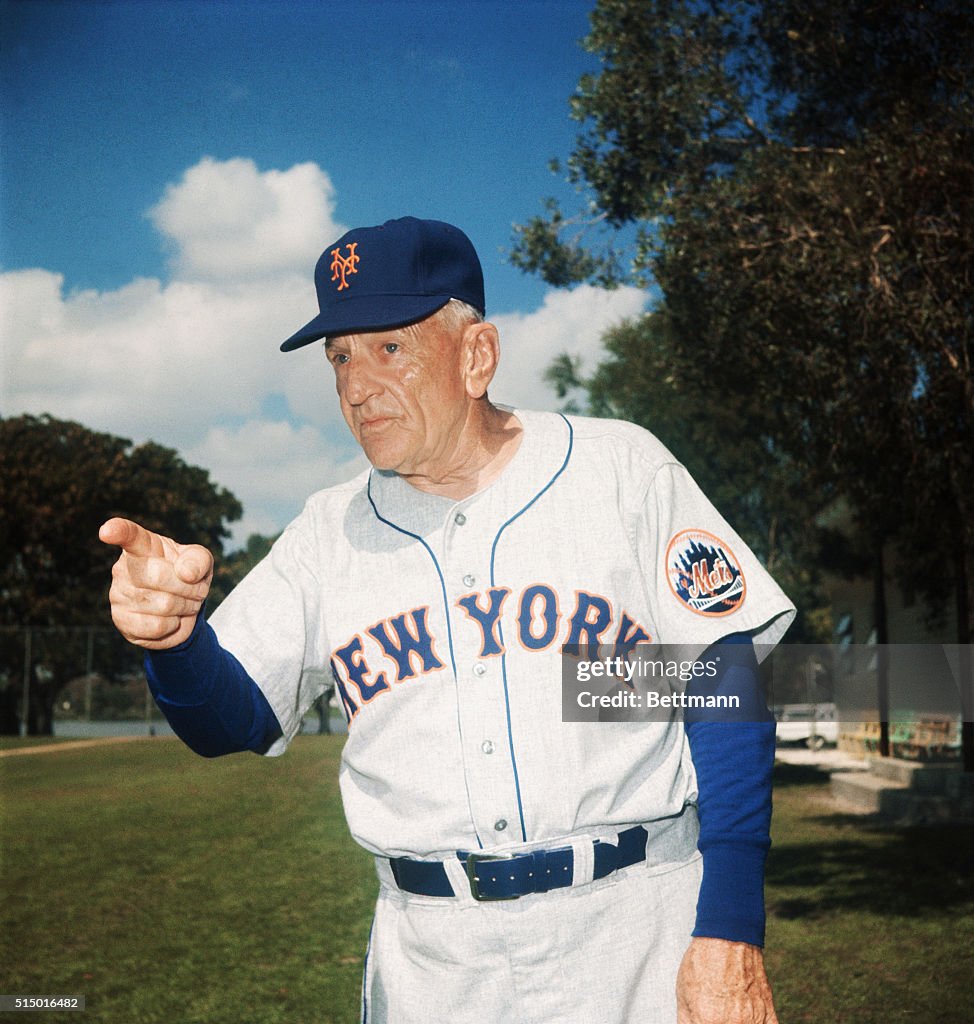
x=167 y=361
x=568 y=321
x=193 y=363
x=152 y=360
x=276 y=465
x=226 y=219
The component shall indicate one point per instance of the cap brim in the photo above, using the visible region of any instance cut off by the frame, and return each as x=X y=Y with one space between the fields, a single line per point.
x=367 y=313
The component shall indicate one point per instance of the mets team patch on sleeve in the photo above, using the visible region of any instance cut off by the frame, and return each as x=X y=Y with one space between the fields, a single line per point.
x=704 y=574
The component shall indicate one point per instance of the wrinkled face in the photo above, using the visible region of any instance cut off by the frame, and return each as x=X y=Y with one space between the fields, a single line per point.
x=403 y=394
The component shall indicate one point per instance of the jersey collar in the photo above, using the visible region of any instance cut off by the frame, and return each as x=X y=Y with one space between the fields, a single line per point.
x=543 y=453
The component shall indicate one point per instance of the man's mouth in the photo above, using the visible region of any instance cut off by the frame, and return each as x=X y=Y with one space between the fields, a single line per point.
x=374 y=423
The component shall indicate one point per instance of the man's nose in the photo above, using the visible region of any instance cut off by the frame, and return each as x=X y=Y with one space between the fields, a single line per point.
x=361 y=383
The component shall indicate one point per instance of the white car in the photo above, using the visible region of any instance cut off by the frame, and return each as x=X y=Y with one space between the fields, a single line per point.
x=811 y=724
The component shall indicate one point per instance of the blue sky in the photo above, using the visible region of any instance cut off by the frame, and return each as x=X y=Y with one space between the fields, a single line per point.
x=172 y=169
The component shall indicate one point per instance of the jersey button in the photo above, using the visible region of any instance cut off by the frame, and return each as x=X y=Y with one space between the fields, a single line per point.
x=487 y=747
x=469 y=580
x=480 y=669
x=500 y=824
x=459 y=519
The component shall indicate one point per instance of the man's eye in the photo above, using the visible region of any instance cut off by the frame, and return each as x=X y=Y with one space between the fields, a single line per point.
x=391 y=347
x=339 y=358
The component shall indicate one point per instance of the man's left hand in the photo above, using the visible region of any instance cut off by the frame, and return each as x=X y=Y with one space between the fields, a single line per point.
x=723 y=982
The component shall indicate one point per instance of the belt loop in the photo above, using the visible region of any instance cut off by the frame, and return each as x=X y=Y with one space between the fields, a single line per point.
x=583 y=856
x=383 y=868
x=456 y=872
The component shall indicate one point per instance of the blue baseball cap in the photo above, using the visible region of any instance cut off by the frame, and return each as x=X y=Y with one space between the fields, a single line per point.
x=380 y=278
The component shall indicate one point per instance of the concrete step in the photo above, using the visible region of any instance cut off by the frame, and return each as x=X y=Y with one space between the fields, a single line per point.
x=918 y=775
x=865 y=792
x=960 y=786
x=906 y=807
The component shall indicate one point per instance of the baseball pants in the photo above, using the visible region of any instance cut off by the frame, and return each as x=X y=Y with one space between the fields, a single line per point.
x=601 y=952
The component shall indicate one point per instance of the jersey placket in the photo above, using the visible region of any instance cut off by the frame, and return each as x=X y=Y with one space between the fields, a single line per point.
x=489 y=767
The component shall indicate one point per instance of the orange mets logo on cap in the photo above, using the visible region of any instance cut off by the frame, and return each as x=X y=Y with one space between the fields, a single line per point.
x=342 y=266
x=704 y=574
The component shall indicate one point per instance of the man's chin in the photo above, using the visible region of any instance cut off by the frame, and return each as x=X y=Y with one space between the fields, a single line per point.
x=381 y=459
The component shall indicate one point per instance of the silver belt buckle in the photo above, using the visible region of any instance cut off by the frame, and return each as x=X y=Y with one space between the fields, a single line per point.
x=473 y=859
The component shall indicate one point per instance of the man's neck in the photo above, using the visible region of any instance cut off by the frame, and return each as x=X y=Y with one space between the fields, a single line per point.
x=491 y=441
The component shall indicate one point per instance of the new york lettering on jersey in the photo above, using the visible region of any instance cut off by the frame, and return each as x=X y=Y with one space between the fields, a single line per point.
x=361 y=665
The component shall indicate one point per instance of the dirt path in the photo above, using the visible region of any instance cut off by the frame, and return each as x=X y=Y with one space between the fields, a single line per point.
x=51 y=748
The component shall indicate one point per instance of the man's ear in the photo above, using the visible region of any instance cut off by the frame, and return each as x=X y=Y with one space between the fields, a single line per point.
x=481 y=354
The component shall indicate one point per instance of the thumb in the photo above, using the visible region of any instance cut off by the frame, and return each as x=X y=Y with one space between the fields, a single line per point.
x=193 y=564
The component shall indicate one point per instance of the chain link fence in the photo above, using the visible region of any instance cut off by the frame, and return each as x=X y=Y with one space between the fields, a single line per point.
x=73 y=681
x=87 y=681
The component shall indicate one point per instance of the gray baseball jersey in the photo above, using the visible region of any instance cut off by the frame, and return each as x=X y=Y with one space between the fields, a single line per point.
x=442 y=623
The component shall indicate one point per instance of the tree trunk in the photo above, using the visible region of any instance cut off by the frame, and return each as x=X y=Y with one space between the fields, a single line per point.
x=962 y=595
x=324 y=712
x=882 y=638
x=44 y=701
x=9 y=719
x=40 y=707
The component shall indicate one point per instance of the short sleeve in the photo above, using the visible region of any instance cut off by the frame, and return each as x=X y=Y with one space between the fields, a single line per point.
x=271 y=622
x=705 y=581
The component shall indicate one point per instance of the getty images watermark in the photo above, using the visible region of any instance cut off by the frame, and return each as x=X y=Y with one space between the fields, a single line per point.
x=856 y=683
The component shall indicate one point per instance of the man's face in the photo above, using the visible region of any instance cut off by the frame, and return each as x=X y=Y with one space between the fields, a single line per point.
x=402 y=394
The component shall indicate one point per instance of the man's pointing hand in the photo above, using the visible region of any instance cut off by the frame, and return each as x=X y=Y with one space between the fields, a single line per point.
x=158 y=586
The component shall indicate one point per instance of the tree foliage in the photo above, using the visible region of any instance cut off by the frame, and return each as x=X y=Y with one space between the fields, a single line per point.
x=798 y=179
x=727 y=443
x=59 y=482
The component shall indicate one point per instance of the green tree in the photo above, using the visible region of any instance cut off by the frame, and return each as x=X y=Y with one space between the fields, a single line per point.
x=725 y=441
x=798 y=179
x=59 y=481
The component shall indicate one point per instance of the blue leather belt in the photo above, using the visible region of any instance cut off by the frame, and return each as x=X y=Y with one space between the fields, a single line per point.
x=507 y=876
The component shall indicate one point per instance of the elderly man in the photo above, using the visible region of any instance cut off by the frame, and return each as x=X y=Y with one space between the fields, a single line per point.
x=531 y=868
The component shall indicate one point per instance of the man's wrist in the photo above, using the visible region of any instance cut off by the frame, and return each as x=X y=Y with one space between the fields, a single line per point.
x=186 y=644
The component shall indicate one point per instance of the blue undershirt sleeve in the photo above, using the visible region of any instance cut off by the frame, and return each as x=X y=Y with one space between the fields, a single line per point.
x=208 y=698
x=734 y=758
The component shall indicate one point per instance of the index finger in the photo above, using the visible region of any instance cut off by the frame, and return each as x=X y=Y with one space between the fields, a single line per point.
x=131 y=538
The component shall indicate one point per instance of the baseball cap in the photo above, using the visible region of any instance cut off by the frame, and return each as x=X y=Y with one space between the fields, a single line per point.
x=379 y=278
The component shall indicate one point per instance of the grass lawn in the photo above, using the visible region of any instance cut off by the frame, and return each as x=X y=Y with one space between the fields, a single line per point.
x=167 y=888
x=866 y=924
